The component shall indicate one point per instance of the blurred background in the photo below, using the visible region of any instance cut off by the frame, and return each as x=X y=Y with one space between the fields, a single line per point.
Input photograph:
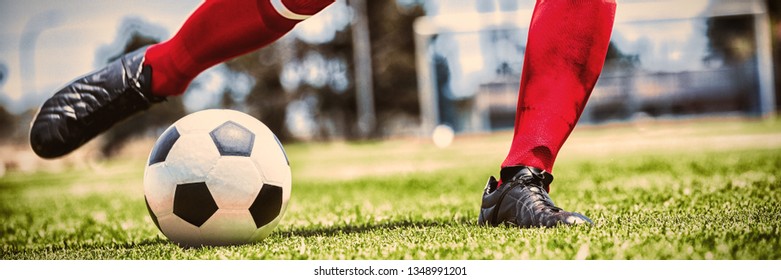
x=371 y=70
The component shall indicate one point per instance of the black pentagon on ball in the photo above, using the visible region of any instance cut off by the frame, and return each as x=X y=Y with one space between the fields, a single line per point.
x=267 y=205
x=194 y=203
x=163 y=145
x=232 y=139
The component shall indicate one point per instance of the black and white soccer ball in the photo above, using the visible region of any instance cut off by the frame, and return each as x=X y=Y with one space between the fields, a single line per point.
x=217 y=177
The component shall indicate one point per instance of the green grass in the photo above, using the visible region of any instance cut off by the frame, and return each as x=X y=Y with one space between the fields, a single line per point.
x=701 y=190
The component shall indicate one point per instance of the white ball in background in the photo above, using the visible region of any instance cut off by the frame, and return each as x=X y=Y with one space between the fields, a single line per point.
x=443 y=136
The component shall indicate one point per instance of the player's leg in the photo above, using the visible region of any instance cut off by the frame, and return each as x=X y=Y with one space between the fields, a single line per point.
x=217 y=31
x=565 y=51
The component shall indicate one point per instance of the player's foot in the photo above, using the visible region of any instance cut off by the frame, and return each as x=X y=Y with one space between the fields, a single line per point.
x=91 y=104
x=522 y=200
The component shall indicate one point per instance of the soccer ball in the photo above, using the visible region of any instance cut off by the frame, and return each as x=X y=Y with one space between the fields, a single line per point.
x=217 y=177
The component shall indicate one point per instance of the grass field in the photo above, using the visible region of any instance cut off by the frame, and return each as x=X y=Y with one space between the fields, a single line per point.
x=684 y=190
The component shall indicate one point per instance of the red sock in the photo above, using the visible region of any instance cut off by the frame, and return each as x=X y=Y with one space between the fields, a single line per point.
x=220 y=30
x=565 y=51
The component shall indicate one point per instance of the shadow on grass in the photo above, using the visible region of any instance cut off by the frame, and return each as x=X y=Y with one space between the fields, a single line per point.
x=372 y=226
x=109 y=251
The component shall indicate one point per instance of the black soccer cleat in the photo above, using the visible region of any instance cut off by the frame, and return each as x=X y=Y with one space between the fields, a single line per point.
x=523 y=201
x=92 y=104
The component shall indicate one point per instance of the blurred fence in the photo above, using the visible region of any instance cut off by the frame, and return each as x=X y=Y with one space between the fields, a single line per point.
x=668 y=59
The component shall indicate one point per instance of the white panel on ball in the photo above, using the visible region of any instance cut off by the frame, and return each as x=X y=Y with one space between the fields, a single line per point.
x=159 y=187
x=234 y=183
x=228 y=227
x=271 y=160
x=192 y=157
x=180 y=231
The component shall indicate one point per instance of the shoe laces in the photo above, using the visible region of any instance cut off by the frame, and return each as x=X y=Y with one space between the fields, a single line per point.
x=535 y=189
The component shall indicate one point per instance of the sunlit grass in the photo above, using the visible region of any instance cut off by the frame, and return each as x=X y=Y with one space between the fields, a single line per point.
x=419 y=202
